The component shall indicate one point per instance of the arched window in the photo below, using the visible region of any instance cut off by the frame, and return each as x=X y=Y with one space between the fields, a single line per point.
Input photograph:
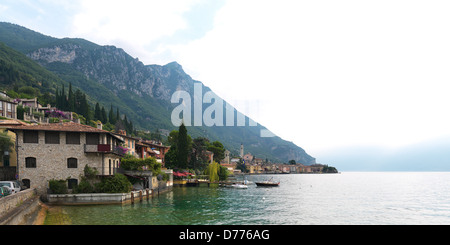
x=26 y=182
x=72 y=163
x=30 y=162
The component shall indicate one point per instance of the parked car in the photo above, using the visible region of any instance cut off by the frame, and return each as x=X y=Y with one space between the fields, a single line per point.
x=12 y=185
x=4 y=191
x=22 y=186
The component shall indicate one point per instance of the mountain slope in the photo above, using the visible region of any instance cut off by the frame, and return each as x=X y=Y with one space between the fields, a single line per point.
x=110 y=76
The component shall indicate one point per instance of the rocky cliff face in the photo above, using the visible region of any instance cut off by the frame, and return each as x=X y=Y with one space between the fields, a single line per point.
x=117 y=70
x=55 y=54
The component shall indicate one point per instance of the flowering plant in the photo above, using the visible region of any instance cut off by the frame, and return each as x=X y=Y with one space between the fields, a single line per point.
x=56 y=113
x=122 y=150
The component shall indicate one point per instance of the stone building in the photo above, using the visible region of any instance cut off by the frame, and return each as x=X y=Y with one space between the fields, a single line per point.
x=61 y=151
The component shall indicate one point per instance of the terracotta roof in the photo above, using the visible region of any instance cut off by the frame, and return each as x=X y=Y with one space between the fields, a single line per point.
x=12 y=122
x=62 y=127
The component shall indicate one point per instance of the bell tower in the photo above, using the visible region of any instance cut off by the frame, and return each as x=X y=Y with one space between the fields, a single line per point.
x=242 y=151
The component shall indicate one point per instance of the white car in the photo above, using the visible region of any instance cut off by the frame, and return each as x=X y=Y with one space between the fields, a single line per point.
x=12 y=185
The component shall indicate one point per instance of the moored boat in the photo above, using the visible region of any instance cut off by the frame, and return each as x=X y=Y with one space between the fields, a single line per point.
x=239 y=186
x=267 y=183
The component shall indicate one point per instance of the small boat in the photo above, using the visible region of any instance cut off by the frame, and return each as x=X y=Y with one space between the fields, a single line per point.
x=267 y=183
x=239 y=186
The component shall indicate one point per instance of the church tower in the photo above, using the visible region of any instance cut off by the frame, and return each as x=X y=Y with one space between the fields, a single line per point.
x=242 y=151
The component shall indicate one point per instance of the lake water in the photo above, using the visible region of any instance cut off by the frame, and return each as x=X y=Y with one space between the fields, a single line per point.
x=346 y=198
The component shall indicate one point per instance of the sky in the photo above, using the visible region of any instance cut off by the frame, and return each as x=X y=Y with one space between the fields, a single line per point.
x=338 y=78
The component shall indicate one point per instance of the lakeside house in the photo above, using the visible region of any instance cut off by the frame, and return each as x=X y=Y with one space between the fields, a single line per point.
x=159 y=150
x=61 y=151
x=142 y=149
x=129 y=142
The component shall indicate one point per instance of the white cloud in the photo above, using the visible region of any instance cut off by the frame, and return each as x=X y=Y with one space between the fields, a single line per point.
x=133 y=25
x=3 y=8
x=331 y=73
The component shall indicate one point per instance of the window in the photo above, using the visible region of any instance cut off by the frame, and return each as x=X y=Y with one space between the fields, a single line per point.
x=72 y=138
x=9 y=108
x=30 y=137
x=72 y=183
x=30 y=162
x=72 y=163
x=51 y=137
x=92 y=139
x=26 y=182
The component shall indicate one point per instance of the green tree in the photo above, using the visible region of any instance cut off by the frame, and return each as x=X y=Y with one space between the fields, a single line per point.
x=6 y=144
x=218 y=149
x=199 y=158
x=223 y=173
x=20 y=112
x=71 y=99
x=97 y=112
x=117 y=115
x=85 y=109
x=171 y=157
x=182 y=146
x=63 y=100
x=112 y=117
x=104 y=117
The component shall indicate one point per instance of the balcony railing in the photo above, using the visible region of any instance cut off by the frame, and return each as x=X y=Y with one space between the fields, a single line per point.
x=103 y=148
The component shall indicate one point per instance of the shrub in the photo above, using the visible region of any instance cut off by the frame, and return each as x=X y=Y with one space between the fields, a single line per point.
x=83 y=187
x=58 y=186
x=148 y=164
x=115 y=184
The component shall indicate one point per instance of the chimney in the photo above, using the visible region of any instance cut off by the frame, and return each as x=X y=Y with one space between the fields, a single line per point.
x=100 y=125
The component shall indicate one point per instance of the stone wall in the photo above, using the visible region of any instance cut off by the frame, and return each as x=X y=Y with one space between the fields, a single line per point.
x=90 y=198
x=16 y=208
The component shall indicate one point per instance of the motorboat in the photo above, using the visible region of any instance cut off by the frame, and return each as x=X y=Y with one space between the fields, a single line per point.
x=267 y=183
x=239 y=186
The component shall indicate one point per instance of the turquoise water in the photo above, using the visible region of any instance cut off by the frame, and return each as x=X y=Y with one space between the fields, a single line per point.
x=346 y=198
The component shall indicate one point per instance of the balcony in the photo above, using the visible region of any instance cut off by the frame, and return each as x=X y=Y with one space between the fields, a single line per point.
x=102 y=148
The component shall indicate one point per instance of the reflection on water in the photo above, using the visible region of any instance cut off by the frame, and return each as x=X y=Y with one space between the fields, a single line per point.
x=347 y=198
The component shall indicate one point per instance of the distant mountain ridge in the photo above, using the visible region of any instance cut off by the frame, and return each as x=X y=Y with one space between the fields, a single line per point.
x=110 y=76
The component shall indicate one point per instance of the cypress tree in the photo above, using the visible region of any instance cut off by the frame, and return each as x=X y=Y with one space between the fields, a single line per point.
x=84 y=109
x=112 y=117
x=104 y=117
x=97 y=112
x=126 y=124
x=63 y=100
x=182 y=147
x=71 y=99
x=57 y=98
x=78 y=98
